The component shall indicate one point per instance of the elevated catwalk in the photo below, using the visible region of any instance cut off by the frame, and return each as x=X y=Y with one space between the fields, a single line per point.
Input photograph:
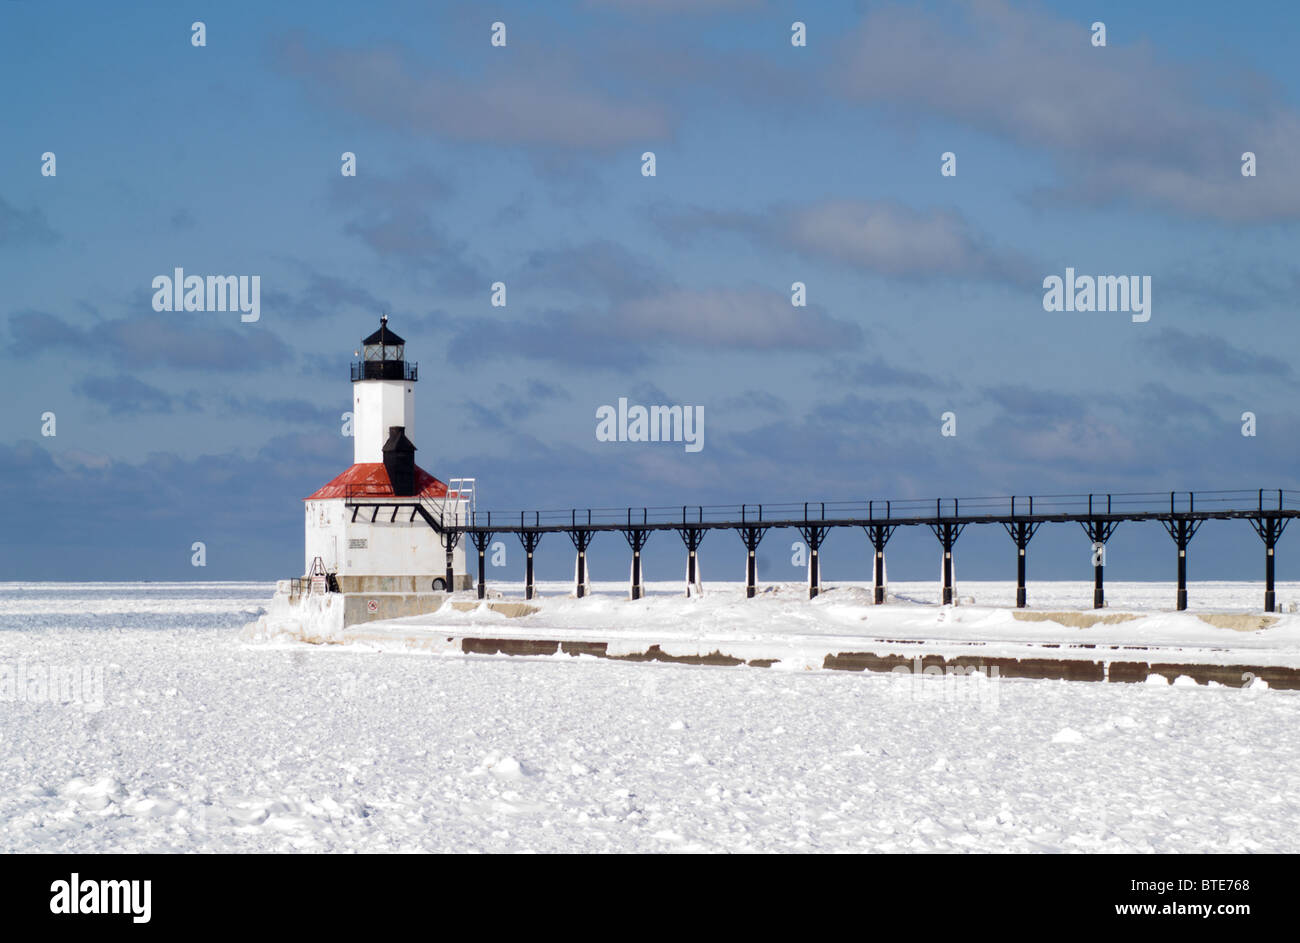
x=1181 y=513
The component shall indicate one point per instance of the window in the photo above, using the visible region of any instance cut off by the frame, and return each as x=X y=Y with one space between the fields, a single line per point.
x=385 y=351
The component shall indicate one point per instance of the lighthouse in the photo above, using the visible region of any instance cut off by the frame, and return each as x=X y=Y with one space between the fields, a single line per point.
x=383 y=394
x=375 y=531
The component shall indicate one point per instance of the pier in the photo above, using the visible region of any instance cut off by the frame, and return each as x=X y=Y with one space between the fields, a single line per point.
x=1181 y=513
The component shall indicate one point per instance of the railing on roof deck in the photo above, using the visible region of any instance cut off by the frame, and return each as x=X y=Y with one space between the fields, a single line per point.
x=385 y=370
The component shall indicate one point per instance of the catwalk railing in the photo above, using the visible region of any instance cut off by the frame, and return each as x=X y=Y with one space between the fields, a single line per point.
x=1180 y=512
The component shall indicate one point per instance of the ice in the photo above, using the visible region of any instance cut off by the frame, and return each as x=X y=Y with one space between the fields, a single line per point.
x=211 y=742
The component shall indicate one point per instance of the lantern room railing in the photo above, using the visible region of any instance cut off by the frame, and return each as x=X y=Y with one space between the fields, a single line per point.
x=384 y=370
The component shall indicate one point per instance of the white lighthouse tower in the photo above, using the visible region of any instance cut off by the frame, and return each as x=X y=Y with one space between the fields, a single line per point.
x=383 y=394
x=370 y=532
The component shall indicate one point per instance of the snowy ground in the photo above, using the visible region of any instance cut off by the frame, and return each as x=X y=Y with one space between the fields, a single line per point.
x=207 y=742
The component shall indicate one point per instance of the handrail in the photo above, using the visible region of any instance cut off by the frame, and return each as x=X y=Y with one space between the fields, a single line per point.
x=1113 y=505
x=384 y=370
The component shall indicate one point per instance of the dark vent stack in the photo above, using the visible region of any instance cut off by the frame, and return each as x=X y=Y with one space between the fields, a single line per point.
x=399 y=461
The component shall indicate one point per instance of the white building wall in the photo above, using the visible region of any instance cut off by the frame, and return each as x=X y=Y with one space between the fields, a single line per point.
x=325 y=536
x=376 y=406
x=400 y=548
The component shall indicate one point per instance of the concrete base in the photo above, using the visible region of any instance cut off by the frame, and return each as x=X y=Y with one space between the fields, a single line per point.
x=399 y=584
x=370 y=607
x=322 y=617
x=295 y=609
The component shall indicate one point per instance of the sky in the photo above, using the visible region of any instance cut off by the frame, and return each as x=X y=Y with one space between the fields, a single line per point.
x=523 y=164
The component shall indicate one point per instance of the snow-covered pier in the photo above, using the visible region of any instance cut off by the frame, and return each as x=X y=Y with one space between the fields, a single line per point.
x=1137 y=641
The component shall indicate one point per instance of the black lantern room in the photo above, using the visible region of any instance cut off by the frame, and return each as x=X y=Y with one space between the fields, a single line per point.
x=383 y=357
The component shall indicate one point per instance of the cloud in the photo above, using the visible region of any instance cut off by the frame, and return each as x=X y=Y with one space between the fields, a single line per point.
x=125 y=395
x=1024 y=401
x=1191 y=351
x=298 y=412
x=394 y=216
x=536 y=106
x=35 y=330
x=1054 y=432
x=628 y=332
x=169 y=340
x=20 y=228
x=1055 y=446
x=896 y=240
x=756 y=463
x=881 y=237
x=413 y=185
x=745 y=319
x=411 y=238
x=1151 y=435
x=854 y=411
x=1119 y=120
x=1162 y=403
x=534 y=393
x=571 y=338
x=877 y=372
x=758 y=400
x=602 y=267
x=321 y=298
x=1221 y=286
x=142 y=515
x=512 y=404
x=676 y=7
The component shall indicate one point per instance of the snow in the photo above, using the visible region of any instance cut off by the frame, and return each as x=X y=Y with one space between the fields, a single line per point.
x=206 y=741
x=783 y=624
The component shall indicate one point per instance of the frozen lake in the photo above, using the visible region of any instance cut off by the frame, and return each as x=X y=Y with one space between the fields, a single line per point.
x=192 y=739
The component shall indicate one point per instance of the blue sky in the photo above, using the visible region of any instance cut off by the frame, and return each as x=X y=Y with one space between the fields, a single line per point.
x=521 y=164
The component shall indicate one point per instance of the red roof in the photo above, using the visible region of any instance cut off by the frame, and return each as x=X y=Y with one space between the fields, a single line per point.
x=370 y=479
